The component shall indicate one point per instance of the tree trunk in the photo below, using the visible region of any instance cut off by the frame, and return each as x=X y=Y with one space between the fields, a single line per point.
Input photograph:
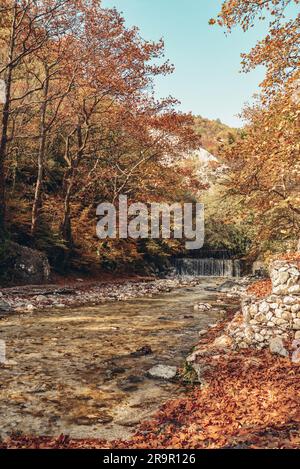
x=66 y=227
x=5 y=124
x=3 y=148
x=37 y=203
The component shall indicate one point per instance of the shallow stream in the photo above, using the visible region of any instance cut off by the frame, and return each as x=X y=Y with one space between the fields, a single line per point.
x=74 y=371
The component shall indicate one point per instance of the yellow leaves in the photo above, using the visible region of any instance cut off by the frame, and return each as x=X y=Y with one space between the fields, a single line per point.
x=266 y=174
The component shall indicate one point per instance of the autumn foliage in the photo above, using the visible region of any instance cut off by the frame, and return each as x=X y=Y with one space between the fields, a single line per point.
x=261 y=288
x=81 y=124
x=264 y=177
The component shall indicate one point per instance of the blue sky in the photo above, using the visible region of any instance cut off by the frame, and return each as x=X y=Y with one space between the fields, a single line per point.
x=207 y=62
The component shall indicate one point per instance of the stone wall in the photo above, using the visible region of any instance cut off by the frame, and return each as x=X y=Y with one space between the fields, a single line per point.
x=285 y=277
x=276 y=316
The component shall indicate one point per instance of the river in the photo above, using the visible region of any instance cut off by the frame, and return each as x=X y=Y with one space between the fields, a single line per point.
x=74 y=371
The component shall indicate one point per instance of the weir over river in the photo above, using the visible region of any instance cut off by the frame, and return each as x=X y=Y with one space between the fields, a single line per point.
x=214 y=263
x=208 y=267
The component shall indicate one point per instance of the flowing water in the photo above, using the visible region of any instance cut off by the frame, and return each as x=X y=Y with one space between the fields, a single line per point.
x=208 y=267
x=72 y=371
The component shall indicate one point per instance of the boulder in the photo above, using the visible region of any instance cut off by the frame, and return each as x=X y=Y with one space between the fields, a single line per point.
x=145 y=350
x=280 y=278
x=264 y=307
x=289 y=300
x=286 y=316
x=224 y=341
x=26 y=266
x=296 y=352
x=278 y=312
x=297 y=335
x=200 y=370
x=296 y=324
x=253 y=309
x=259 y=338
x=41 y=298
x=4 y=307
x=202 y=307
x=260 y=317
x=277 y=347
x=162 y=372
x=296 y=356
x=295 y=308
x=226 y=286
x=269 y=316
x=294 y=289
x=280 y=290
x=296 y=344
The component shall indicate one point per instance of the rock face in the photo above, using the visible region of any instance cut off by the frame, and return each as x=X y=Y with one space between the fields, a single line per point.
x=4 y=307
x=28 y=266
x=266 y=322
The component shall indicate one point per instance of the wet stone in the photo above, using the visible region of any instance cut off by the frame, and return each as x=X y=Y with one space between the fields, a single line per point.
x=162 y=372
x=145 y=350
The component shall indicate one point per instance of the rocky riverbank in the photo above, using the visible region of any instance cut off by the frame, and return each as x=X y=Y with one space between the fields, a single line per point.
x=245 y=399
x=109 y=374
x=30 y=298
x=98 y=370
x=26 y=299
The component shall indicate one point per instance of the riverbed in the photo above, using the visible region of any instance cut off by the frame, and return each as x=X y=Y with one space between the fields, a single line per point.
x=78 y=371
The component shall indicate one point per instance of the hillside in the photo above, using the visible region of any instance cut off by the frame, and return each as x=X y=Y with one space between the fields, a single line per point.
x=214 y=134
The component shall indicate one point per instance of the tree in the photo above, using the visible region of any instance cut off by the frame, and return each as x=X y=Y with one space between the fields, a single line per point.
x=26 y=26
x=117 y=66
x=279 y=50
x=83 y=125
x=265 y=169
x=264 y=161
x=58 y=66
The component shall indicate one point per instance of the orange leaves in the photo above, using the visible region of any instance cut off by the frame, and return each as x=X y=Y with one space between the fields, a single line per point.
x=250 y=398
x=265 y=169
x=279 y=51
x=104 y=131
x=261 y=288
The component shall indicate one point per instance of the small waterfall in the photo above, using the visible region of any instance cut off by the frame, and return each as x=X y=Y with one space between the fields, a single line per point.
x=208 y=267
x=237 y=268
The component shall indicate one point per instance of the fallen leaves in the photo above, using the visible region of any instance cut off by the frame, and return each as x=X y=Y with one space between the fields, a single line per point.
x=261 y=288
x=292 y=256
x=251 y=399
x=237 y=399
